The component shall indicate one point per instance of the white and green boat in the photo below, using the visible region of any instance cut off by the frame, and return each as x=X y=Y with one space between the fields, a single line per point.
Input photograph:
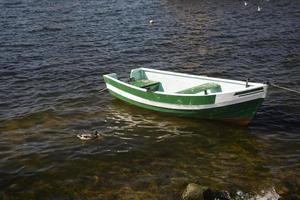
x=189 y=95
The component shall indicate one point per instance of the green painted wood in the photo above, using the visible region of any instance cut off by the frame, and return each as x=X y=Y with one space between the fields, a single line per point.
x=244 y=111
x=213 y=87
x=164 y=98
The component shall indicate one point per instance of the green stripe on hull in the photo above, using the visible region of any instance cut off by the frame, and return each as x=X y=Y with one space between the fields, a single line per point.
x=242 y=111
x=164 y=98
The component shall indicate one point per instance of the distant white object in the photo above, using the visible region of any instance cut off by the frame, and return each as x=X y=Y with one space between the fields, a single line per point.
x=89 y=136
x=245 y=3
x=151 y=21
x=258 y=8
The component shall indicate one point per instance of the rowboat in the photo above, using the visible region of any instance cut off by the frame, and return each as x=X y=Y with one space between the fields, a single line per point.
x=189 y=95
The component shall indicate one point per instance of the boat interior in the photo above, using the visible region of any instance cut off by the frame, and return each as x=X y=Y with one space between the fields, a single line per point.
x=170 y=82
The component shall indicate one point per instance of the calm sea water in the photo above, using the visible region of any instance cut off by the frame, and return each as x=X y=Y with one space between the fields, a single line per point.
x=53 y=54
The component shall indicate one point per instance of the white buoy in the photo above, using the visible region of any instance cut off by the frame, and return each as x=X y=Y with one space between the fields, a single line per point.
x=151 y=21
x=245 y=3
x=258 y=9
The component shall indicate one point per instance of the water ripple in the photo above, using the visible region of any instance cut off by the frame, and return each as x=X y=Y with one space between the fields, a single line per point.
x=52 y=57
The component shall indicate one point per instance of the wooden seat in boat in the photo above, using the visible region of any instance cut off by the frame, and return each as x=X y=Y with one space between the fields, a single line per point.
x=212 y=87
x=145 y=83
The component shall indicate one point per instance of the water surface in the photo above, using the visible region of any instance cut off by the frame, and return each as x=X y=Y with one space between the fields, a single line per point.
x=52 y=57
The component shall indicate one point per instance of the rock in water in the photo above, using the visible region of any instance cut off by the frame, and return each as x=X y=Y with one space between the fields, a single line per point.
x=208 y=194
x=212 y=195
x=193 y=192
x=222 y=195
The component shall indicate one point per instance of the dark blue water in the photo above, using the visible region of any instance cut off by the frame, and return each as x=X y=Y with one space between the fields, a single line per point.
x=52 y=58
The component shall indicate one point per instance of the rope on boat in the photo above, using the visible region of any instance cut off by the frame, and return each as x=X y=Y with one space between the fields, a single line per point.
x=284 y=88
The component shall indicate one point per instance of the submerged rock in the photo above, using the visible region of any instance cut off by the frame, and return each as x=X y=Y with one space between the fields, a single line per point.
x=270 y=194
x=197 y=192
x=212 y=195
x=193 y=191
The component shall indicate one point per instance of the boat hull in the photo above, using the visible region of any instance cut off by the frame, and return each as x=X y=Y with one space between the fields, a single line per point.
x=240 y=113
x=237 y=106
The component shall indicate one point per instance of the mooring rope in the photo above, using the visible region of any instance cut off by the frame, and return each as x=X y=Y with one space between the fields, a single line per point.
x=284 y=88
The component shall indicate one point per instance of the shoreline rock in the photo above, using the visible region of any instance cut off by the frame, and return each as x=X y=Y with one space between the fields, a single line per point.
x=193 y=191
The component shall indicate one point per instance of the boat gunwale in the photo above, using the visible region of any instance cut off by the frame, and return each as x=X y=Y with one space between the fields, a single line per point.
x=189 y=107
x=199 y=76
x=254 y=85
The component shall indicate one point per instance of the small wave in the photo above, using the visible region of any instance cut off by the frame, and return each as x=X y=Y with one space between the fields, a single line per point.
x=9 y=4
x=84 y=45
x=17 y=45
x=46 y=29
x=52 y=28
